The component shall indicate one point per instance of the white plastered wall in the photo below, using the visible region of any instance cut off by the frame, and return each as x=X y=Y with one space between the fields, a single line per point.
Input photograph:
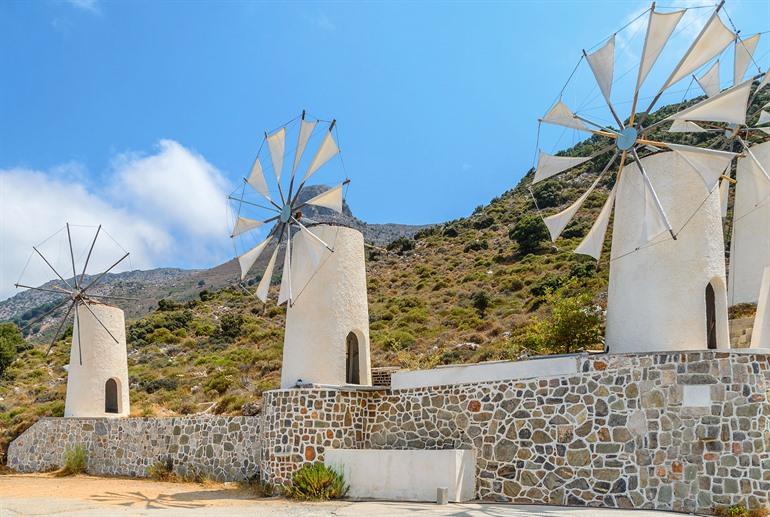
x=656 y=299
x=760 y=334
x=329 y=303
x=750 y=242
x=103 y=359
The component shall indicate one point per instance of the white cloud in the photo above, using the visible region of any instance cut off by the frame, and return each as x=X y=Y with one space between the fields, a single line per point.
x=165 y=208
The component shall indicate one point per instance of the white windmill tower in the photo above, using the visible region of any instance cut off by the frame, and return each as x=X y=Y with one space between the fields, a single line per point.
x=97 y=375
x=667 y=287
x=323 y=281
x=728 y=113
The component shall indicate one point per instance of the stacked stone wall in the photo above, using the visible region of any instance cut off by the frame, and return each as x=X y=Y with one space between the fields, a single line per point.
x=675 y=431
x=222 y=448
x=300 y=424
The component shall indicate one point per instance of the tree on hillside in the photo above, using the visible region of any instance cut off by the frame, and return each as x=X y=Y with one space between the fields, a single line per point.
x=529 y=233
x=11 y=341
x=480 y=301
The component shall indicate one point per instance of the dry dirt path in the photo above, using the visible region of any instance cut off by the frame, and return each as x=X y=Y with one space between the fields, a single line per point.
x=43 y=494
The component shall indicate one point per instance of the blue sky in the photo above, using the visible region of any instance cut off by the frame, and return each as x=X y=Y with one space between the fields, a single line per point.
x=436 y=103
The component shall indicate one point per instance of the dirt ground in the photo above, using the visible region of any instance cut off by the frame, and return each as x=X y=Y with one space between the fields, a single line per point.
x=45 y=494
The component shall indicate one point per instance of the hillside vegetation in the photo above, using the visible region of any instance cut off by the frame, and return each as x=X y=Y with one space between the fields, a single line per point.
x=487 y=286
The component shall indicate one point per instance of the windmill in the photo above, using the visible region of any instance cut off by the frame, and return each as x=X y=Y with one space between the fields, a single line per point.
x=76 y=292
x=97 y=375
x=323 y=282
x=731 y=116
x=667 y=242
x=280 y=209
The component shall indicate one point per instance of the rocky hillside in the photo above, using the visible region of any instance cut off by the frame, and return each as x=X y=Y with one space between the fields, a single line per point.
x=468 y=290
x=148 y=287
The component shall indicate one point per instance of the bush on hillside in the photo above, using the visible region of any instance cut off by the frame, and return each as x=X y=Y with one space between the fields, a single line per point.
x=11 y=341
x=480 y=300
x=476 y=246
x=529 y=233
x=401 y=245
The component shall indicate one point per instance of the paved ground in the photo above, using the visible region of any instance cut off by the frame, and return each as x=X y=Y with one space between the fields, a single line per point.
x=42 y=494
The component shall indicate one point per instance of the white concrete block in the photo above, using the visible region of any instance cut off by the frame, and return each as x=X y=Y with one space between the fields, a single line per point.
x=696 y=395
x=406 y=475
x=485 y=372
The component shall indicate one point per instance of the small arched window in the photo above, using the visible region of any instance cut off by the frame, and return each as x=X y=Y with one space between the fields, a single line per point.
x=351 y=360
x=111 y=396
x=711 y=318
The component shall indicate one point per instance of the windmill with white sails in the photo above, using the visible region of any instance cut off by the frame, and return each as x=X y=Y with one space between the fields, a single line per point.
x=730 y=114
x=323 y=277
x=97 y=375
x=667 y=286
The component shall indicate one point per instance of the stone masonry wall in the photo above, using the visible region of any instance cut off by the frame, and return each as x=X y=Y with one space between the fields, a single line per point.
x=300 y=424
x=675 y=431
x=223 y=448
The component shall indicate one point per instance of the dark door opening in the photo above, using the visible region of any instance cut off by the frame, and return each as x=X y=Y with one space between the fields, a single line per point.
x=711 y=318
x=351 y=360
x=111 y=396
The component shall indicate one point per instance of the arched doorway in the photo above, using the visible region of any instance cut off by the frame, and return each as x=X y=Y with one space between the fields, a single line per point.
x=352 y=375
x=111 y=396
x=711 y=318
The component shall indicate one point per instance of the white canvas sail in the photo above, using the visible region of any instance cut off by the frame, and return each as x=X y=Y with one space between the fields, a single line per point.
x=659 y=30
x=257 y=178
x=602 y=63
x=729 y=107
x=247 y=260
x=549 y=165
x=264 y=283
x=708 y=163
x=709 y=81
x=593 y=243
x=561 y=115
x=744 y=50
x=764 y=118
x=331 y=199
x=277 y=143
x=305 y=130
x=685 y=126
x=244 y=224
x=557 y=222
x=750 y=244
x=285 y=292
x=326 y=151
x=712 y=40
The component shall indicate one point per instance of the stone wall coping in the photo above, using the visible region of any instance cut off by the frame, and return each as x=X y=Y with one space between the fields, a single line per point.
x=144 y=418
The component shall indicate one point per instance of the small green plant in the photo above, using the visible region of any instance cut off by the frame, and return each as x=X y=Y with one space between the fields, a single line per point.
x=317 y=482
x=739 y=510
x=162 y=470
x=75 y=460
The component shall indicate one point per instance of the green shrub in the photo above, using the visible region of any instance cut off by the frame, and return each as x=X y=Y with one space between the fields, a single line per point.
x=75 y=460
x=317 y=482
x=739 y=510
x=529 y=233
x=162 y=470
x=476 y=246
x=401 y=245
x=398 y=340
x=480 y=300
x=11 y=341
x=229 y=327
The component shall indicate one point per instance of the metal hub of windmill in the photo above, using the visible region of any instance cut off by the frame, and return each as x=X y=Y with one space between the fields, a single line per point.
x=76 y=291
